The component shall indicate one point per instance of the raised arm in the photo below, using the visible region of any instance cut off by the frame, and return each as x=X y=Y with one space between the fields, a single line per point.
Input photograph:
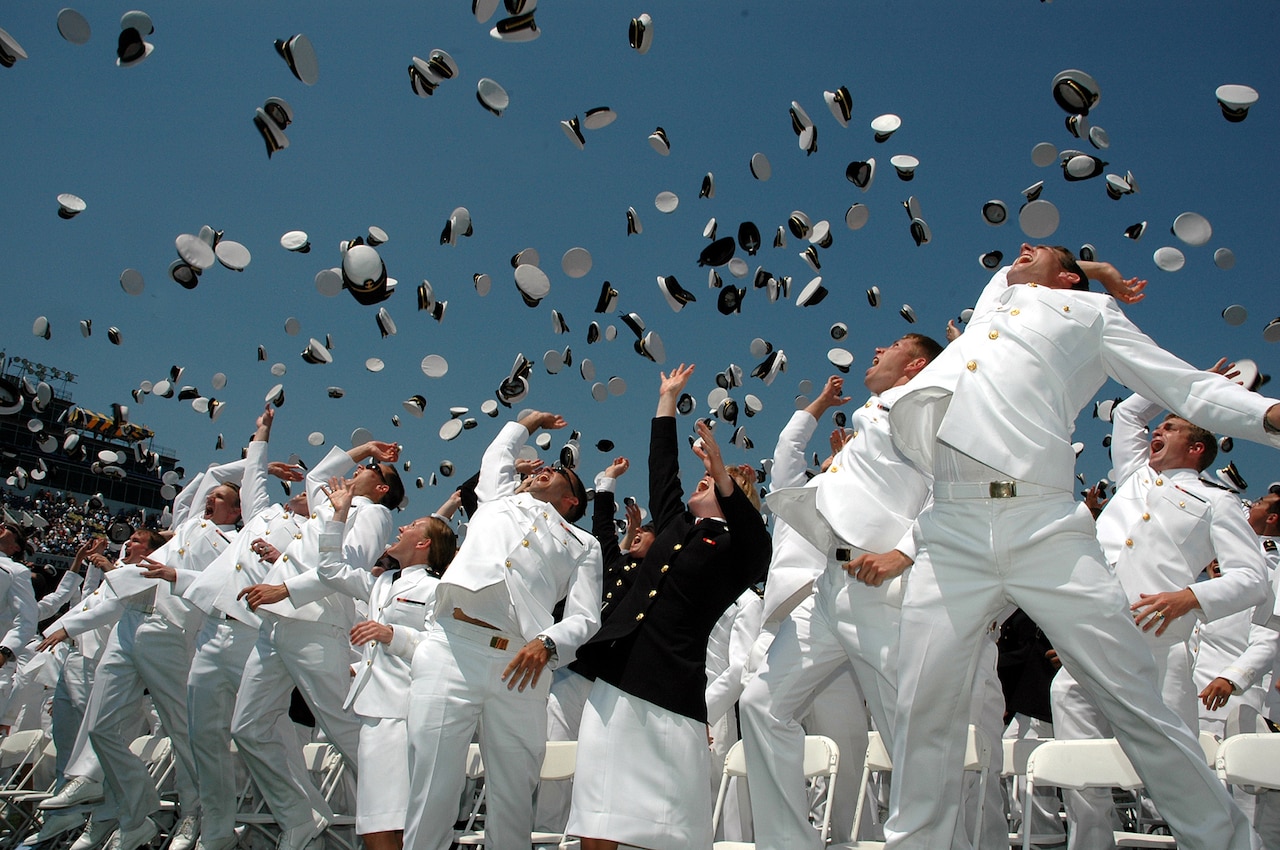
x=666 y=496
x=498 y=466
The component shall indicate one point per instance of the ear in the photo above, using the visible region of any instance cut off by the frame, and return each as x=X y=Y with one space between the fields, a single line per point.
x=1068 y=279
x=914 y=367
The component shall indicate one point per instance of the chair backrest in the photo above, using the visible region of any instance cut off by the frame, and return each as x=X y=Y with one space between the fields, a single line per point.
x=821 y=756
x=314 y=755
x=475 y=765
x=1209 y=744
x=1252 y=759
x=559 y=761
x=20 y=747
x=1016 y=752
x=1078 y=765
x=735 y=761
x=977 y=749
x=877 y=756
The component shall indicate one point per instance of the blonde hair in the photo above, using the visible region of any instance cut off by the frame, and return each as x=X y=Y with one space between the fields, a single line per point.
x=745 y=478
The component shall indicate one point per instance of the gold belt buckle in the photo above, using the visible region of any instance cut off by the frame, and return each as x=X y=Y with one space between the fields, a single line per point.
x=498 y=642
x=1002 y=489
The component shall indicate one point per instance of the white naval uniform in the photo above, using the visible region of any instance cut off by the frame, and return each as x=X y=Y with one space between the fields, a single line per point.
x=225 y=640
x=18 y=619
x=998 y=405
x=520 y=558
x=1159 y=531
x=150 y=649
x=865 y=502
x=75 y=679
x=728 y=648
x=89 y=624
x=405 y=601
x=304 y=642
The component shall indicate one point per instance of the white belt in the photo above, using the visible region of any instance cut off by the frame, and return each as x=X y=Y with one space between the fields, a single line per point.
x=948 y=490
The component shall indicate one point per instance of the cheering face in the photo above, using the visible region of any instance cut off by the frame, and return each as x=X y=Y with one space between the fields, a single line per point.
x=1040 y=264
x=222 y=507
x=137 y=547
x=889 y=365
x=1171 y=446
x=703 y=502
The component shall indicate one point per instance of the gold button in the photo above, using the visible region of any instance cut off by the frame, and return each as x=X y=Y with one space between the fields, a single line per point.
x=508 y=563
x=972 y=365
x=86 y=608
x=854 y=434
x=994 y=335
x=204 y=525
x=1033 y=284
x=1129 y=542
x=653 y=593
x=1159 y=482
x=239 y=568
x=369 y=662
x=677 y=547
x=182 y=551
x=608 y=595
x=297 y=536
x=619 y=583
x=1182 y=504
x=1146 y=517
x=1066 y=308
x=639 y=616
x=525 y=543
x=284 y=557
x=868 y=404
x=1015 y=311
x=665 y=567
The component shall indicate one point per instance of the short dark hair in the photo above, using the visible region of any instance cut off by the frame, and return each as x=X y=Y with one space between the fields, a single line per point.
x=154 y=538
x=395 y=487
x=1210 y=443
x=579 y=492
x=926 y=346
x=1069 y=264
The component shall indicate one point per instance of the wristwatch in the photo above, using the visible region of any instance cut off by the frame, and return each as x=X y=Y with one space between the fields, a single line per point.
x=550 y=646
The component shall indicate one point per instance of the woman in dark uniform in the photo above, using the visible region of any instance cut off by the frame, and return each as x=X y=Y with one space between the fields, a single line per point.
x=643 y=772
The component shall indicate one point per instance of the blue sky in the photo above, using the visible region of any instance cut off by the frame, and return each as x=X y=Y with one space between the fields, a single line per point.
x=164 y=147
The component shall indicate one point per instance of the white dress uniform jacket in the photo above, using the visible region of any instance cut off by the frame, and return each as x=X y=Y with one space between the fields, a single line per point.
x=402 y=599
x=522 y=542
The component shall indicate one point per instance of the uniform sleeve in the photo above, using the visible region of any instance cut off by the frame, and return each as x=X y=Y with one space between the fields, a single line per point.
x=788 y=455
x=1257 y=659
x=1207 y=399
x=253 y=486
x=87 y=618
x=365 y=538
x=498 y=466
x=333 y=572
x=666 y=496
x=581 y=617
x=1244 y=582
x=22 y=604
x=49 y=604
x=727 y=688
x=1130 y=447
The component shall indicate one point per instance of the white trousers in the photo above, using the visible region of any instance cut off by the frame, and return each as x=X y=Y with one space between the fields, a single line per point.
x=1038 y=552
x=70 y=700
x=456 y=685
x=844 y=623
x=222 y=648
x=569 y=692
x=316 y=657
x=1091 y=814
x=148 y=652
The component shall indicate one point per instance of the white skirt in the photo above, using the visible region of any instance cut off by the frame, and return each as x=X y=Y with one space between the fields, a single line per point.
x=382 y=795
x=643 y=775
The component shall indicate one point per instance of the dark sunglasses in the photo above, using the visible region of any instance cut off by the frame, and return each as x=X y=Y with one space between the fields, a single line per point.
x=374 y=467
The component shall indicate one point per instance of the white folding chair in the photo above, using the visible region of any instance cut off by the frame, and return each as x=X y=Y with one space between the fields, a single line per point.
x=1209 y=743
x=821 y=758
x=1251 y=761
x=1079 y=765
x=329 y=768
x=20 y=755
x=977 y=755
x=1014 y=772
x=558 y=763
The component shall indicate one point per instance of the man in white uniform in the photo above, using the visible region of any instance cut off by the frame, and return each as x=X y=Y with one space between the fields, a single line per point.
x=230 y=632
x=18 y=621
x=1160 y=530
x=864 y=503
x=494 y=634
x=303 y=640
x=992 y=417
